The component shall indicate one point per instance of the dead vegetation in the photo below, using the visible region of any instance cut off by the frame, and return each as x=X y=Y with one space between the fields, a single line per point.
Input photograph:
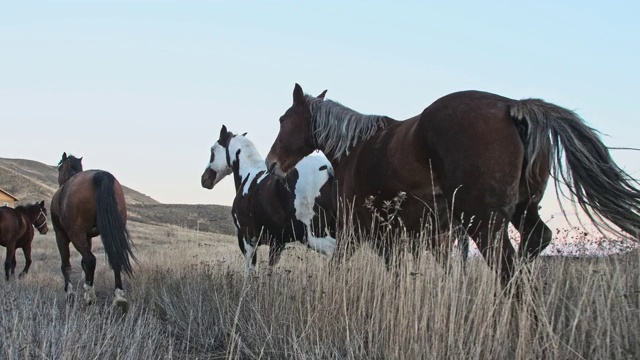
x=191 y=299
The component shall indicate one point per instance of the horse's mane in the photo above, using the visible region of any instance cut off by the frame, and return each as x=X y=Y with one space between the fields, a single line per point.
x=337 y=128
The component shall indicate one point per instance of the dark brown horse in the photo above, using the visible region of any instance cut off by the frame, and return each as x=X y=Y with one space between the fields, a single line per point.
x=87 y=204
x=16 y=231
x=473 y=158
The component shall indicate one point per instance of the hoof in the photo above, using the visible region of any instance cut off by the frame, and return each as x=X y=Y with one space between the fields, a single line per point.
x=120 y=302
x=22 y=275
x=89 y=294
x=70 y=295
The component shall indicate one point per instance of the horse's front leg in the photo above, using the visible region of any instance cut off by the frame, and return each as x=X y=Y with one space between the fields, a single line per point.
x=250 y=253
x=8 y=261
x=324 y=245
x=275 y=252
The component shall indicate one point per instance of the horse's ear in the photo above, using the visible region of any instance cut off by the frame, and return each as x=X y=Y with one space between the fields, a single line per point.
x=223 y=132
x=64 y=156
x=245 y=134
x=298 y=95
x=224 y=136
x=41 y=204
x=322 y=94
x=81 y=159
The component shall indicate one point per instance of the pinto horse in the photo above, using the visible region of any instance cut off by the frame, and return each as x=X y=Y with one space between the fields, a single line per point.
x=472 y=158
x=87 y=204
x=268 y=210
x=16 y=231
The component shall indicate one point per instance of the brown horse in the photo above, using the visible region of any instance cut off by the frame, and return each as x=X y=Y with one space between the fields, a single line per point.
x=87 y=204
x=16 y=231
x=478 y=159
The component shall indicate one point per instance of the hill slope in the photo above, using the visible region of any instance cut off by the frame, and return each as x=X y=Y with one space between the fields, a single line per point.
x=34 y=181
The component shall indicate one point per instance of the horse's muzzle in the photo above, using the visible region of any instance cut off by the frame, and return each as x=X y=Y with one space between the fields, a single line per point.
x=274 y=169
x=208 y=179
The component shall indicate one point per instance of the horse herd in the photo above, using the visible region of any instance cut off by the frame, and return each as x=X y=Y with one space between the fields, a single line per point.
x=465 y=168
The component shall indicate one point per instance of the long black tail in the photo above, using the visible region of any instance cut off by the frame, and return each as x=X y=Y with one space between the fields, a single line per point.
x=606 y=193
x=113 y=231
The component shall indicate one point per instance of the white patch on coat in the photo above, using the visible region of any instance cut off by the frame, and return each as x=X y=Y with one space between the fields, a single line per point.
x=235 y=220
x=248 y=255
x=219 y=163
x=249 y=158
x=254 y=176
x=307 y=190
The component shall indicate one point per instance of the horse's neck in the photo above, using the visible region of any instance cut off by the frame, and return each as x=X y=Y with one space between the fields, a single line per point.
x=69 y=176
x=27 y=214
x=249 y=163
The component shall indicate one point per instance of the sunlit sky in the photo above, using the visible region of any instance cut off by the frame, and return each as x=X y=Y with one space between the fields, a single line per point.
x=141 y=89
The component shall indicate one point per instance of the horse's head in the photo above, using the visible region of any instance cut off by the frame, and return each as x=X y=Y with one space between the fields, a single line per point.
x=67 y=167
x=37 y=215
x=40 y=222
x=220 y=162
x=294 y=140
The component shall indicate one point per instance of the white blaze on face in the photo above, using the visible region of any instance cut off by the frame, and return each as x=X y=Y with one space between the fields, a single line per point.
x=219 y=163
x=307 y=189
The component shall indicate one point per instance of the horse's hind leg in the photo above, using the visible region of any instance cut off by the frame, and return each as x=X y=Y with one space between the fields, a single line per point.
x=492 y=237
x=27 y=259
x=535 y=235
x=81 y=243
x=62 y=240
x=119 y=301
x=14 y=263
x=275 y=252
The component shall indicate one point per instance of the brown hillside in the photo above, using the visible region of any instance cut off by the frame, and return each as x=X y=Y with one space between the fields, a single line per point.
x=34 y=181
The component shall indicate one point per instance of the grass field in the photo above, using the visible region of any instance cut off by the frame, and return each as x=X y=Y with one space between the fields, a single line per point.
x=190 y=299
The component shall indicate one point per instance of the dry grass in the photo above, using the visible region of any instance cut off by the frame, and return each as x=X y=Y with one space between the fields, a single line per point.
x=191 y=299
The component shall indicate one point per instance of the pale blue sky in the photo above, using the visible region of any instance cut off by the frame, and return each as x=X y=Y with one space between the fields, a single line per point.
x=142 y=89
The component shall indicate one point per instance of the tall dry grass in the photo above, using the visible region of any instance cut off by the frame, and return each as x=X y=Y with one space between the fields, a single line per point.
x=191 y=299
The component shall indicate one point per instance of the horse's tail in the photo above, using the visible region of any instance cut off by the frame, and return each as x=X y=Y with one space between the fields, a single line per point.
x=111 y=226
x=602 y=189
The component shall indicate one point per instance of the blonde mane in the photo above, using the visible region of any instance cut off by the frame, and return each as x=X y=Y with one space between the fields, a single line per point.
x=337 y=129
